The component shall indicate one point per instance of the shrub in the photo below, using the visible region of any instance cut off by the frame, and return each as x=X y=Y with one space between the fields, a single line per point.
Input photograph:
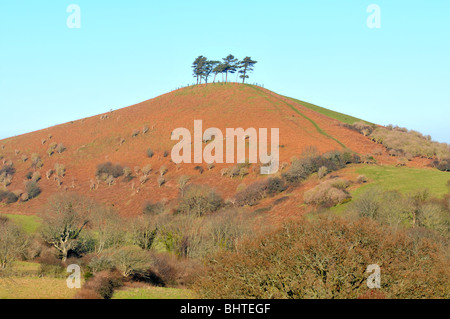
x=130 y=259
x=154 y=209
x=323 y=170
x=327 y=258
x=199 y=200
x=146 y=170
x=11 y=198
x=243 y=172
x=166 y=153
x=328 y=193
x=259 y=190
x=163 y=170
x=127 y=172
x=24 y=158
x=161 y=181
x=150 y=153
x=49 y=173
x=443 y=164
x=36 y=161
x=100 y=263
x=361 y=127
x=60 y=148
x=110 y=180
x=32 y=189
x=210 y=166
x=143 y=179
x=302 y=168
x=361 y=179
x=3 y=194
x=400 y=141
x=36 y=176
x=182 y=183
x=135 y=133
x=60 y=170
x=102 y=284
x=145 y=129
x=108 y=169
x=199 y=169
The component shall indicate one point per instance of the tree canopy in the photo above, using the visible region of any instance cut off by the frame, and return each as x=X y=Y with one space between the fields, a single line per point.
x=203 y=68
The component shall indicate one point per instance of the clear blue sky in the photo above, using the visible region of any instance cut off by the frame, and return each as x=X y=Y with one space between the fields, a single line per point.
x=318 y=51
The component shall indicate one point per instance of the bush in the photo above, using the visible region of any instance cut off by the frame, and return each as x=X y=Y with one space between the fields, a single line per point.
x=163 y=170
x=36 y=176
x=302 y=168
x=361 y=179
x=108 y=169
x=100 y=263
x=154 y=209
x=36 y=161
x=32 y=189
x=161 y=181
x=443 y=164
x=328 y=193
x=60 y=148
x=60 y=170
x=401 y=142
x=129 y=260
x=102 y=284
x=259 y=190
x=127 y=173
x=146 y=170
x=199 y=169
x=150 y=153
x=3 y=195
x=135 y=133
x=11 y=198
x=323 y=170
x=199 y=200
x=327 y=258
x=361 y=127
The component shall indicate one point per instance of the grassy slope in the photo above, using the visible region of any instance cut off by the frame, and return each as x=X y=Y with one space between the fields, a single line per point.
x=35 y=288
x=29 y=224
x=344 y=118
x=403 y=179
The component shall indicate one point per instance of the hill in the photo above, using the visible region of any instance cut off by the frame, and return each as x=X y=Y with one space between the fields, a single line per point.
x=119 y=137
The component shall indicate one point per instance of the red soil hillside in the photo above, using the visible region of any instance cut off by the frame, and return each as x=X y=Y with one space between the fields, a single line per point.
x=95 y=140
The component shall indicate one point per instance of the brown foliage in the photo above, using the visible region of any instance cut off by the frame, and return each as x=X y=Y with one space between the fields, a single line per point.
x=328 y=258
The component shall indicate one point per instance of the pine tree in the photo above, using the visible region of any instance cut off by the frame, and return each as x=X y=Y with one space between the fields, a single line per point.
x=246 y=66
x=198 y=67
x=218 y=68
x=208 y=68
x=229 y=65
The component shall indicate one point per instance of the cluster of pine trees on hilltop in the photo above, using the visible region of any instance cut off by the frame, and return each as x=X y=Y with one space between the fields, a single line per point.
x=203 y=68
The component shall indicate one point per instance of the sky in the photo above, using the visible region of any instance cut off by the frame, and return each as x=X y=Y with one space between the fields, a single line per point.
x=321 y=51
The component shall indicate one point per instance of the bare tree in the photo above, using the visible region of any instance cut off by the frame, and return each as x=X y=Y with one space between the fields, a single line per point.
x=64 y=217
x=12 y=242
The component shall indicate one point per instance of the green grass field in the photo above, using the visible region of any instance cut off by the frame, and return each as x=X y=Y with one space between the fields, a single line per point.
x=29 y=224
x=344 y=118
x=35 y=288
x=404 y=179
x=153 y=293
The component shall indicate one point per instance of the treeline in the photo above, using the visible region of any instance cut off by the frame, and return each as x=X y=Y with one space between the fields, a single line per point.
x=204 y=68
